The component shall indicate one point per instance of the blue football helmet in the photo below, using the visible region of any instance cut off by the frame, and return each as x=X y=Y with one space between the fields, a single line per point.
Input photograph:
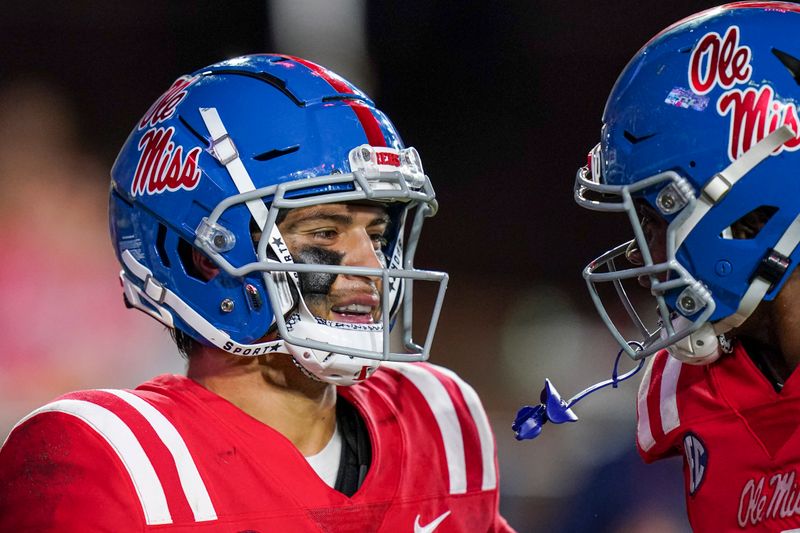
x=211 y=165
x=701 y=130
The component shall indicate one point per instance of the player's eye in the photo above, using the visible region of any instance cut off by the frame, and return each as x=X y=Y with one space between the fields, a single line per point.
x=378 y=240
x=324 y=234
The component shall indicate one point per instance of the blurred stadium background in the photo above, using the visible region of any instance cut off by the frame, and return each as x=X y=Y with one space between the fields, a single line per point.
x=502 y=99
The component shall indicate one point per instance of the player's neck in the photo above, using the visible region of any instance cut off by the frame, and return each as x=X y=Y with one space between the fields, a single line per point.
x=785 y=313
x=775 y=328
x=272 y=390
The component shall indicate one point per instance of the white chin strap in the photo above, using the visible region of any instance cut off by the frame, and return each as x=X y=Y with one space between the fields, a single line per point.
x=330 y=367
x=160 y=303
x=702 y=346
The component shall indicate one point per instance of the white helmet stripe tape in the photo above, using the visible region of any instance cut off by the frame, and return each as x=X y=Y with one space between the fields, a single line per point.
x=670 y=419
x=193 y=486
x=759 y=286
x=482 y=424
x=445 y=414
x=643 y=432
x=233 y=163
x=720 y=184
x=124 y=443
x=790 y=238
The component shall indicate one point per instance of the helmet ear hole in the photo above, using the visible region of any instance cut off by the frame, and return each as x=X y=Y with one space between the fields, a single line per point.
x=195 y=264
x=161 y=238
x=749 y=225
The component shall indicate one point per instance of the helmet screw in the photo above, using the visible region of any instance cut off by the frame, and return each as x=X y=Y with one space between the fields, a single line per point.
x=220 y=241
x=670 y=200
x=226 y=305
x=365 y=154
x=688 y=304
x=666 y=202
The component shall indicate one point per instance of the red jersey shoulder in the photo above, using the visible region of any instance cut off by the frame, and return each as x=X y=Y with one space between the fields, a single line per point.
x=676 y=397
x=147 y=474
x=673 y=395
x=736 y=433
x=433 y=404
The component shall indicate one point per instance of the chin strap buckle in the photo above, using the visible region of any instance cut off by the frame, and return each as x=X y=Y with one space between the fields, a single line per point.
x=772 y=267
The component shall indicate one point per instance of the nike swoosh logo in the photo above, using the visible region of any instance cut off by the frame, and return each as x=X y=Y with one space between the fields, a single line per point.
x=430 y=527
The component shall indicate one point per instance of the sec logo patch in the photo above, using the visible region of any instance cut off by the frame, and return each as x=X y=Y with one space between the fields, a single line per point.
x=696 y=461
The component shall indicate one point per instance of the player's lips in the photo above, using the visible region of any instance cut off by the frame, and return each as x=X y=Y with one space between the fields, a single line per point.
x=358 y=309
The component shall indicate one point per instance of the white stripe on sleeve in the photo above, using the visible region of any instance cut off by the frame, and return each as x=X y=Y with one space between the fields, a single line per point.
x=669 y=398
x=482 y=424
x=193 y=486
x=445 y=414
x=643 y=432
x=124 y=443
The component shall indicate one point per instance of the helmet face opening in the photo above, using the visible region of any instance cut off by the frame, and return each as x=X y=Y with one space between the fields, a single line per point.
x=214 y=166
x=702 y=128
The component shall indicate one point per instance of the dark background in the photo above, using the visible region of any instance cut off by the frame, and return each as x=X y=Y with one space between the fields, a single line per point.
x=502 y=99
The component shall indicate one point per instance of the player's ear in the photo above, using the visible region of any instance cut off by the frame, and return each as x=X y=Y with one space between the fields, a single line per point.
x=205 y=266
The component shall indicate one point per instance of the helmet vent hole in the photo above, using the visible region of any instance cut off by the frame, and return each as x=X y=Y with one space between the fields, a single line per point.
x=263 y=76
x=277 y=152
x=185 y=254
x=161 y=237
x=790 y=62
x=193 y=131
x=692 y=164
x=750 y=225
x=633 y=139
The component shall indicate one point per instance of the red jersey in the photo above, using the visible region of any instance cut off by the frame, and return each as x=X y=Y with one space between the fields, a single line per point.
x=739 y=439
x=173 y=456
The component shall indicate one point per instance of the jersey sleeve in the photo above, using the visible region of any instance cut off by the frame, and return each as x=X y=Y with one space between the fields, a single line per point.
x=655 y=408
x=57 y=474
x=478 y=438
x=673 y=396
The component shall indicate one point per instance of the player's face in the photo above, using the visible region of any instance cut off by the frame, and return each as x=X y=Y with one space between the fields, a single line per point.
x=654 y=228
x=338 y=234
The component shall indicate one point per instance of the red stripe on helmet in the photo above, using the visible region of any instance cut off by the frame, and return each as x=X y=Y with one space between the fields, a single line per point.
x=369 y=122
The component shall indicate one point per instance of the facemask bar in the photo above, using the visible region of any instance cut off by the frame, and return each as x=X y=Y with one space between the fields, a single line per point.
x=673 y=274
x=371 y=184
x=677 y=197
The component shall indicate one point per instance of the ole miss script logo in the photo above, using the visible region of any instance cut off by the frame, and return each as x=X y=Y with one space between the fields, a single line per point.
x=721 y=61
x=163 y=165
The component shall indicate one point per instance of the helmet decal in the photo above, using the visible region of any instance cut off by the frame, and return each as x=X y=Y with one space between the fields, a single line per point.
x=162 y=166
x=755 y=113
x=722 y=62
x=719 y=61
x=164 y=107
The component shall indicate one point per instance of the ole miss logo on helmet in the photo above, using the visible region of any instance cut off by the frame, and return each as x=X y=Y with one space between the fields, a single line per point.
x=164 y=107
x=721 y=61
x=163 y=165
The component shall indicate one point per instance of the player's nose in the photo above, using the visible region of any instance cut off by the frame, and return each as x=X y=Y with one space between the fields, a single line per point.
x=360 y=251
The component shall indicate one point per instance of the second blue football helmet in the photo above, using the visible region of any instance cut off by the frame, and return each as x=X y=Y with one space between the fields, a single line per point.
x=701 y=128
